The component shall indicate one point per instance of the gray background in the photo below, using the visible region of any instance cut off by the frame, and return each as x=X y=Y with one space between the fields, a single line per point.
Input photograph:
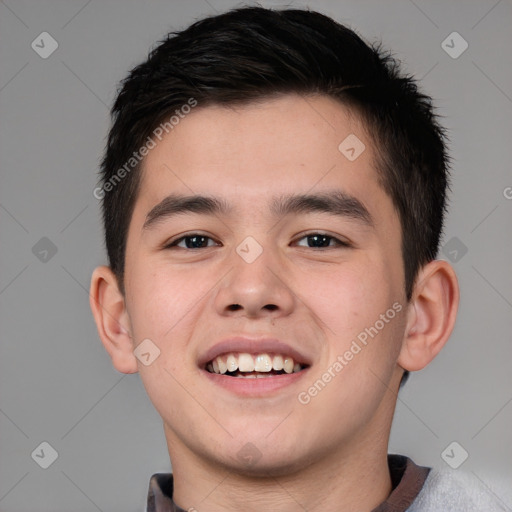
x=56 y=381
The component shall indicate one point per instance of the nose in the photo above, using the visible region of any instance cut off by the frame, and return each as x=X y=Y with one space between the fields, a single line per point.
x=256 y=290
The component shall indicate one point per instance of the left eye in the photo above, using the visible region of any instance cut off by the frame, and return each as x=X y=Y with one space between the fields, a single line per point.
x=320 y=240
x=314 y=241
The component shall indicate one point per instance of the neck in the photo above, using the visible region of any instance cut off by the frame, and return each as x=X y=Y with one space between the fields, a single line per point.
x=357 y=480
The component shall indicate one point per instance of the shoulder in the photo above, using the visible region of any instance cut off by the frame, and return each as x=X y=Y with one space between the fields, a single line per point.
x=448 y=490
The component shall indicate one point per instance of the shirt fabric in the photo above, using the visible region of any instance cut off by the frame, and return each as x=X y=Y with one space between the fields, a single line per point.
x=407 y=480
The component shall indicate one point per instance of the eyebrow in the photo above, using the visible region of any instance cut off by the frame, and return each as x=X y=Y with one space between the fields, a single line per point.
x=334 y=202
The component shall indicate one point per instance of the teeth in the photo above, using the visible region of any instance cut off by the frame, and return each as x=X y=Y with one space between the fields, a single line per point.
x=263 y=363
x=252 y=376
x=259 y=364
x=232 y=363
x=288 y=365
x=223 y=367
x=245 y=363
x=277 y=362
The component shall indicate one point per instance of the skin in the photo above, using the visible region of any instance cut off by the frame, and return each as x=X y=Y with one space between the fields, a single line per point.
x=329 y=454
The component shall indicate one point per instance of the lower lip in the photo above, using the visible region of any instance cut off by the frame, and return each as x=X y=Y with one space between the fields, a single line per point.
x=262 y=386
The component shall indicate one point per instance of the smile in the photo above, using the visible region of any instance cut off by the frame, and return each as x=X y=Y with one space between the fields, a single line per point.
x=245 y=365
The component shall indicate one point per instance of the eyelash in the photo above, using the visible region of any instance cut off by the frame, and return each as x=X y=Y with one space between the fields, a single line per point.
x=339 y=243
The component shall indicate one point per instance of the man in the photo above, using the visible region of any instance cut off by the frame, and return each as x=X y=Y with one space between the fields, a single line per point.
x=273 y=194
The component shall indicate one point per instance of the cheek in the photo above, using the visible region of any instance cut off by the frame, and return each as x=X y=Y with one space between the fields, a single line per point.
x=349 y=298
x=163 y=305
x=351 y=383
x=160 y=301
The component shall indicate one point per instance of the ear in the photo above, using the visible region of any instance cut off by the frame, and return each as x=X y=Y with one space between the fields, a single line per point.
x=112 y=320
x=431 y=315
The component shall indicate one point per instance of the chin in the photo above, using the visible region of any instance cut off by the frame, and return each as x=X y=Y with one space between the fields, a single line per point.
x=256 y=461
x=267 y=467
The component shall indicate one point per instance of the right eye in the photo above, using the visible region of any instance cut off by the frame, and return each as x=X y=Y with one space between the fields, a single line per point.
x=192 y=241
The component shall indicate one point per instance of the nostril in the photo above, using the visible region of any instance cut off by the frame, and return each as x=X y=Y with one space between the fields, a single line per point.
x=234 y=307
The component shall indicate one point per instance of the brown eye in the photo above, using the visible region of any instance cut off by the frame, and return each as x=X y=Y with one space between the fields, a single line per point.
x=322 y=241
x=192 y=241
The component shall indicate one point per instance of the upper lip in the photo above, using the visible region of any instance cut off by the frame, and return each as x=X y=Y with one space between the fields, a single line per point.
x=242 y=344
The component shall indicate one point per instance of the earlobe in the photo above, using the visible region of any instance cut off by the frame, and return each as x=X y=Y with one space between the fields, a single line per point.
x=112 y=320
x=431 y=315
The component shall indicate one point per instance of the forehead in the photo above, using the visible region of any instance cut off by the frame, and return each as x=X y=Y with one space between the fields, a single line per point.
x=248 y=155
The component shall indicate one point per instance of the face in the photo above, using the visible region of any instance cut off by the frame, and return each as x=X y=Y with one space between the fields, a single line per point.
x=314 y=283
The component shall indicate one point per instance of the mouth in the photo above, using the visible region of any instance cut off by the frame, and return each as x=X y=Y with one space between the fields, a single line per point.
x=254 y=366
